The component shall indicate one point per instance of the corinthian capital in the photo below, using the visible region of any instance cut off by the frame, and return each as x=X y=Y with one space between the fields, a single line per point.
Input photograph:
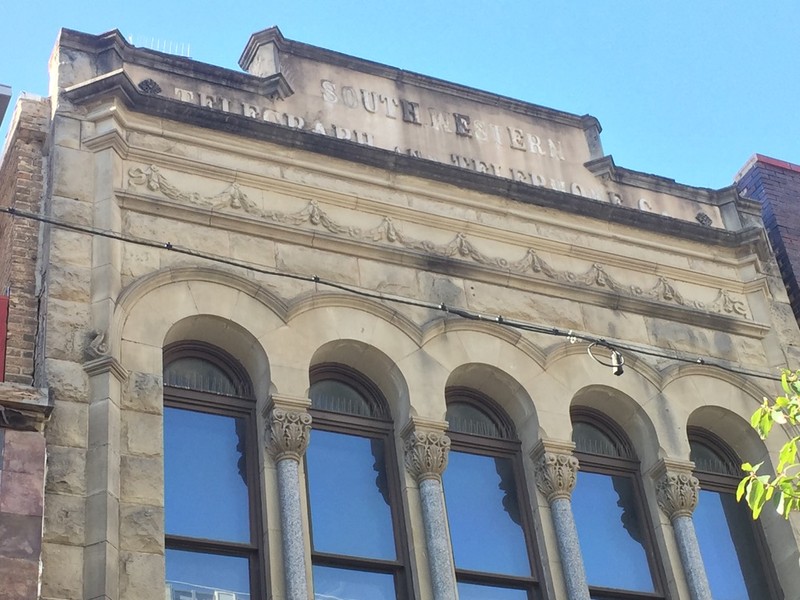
x=288 y=432
x=677 y=492
x=556 y=474
x=426 y=449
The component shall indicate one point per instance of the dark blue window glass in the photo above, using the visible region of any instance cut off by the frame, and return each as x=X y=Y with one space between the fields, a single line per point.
x=610 y=530
x=205 y=485
x=484 y=515
x=200 y=576
x=728 y=547
x=349 y=496
x=331 y=583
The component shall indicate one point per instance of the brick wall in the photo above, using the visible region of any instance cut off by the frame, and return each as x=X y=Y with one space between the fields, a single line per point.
x=776 y=184
x=21 y=186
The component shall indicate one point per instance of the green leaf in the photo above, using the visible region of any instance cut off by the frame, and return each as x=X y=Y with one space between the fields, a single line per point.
x=782 y=505
x=755 y=496
x=755 y=419
x=788 y=454
x=741 y=488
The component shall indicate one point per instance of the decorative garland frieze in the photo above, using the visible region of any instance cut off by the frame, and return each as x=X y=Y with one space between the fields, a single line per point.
x=234 y=198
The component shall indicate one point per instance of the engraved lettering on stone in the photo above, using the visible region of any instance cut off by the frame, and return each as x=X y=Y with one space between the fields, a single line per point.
x=556 y=475
x=462 y=125
x=426 y=454
x=149 y=87
x=677 y=494
x=233 y=197
x=288 y=433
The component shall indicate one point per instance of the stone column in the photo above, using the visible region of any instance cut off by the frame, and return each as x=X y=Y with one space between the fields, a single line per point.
x=426 y=448
x=288 y=431
x=556 y=474
x=677 y=491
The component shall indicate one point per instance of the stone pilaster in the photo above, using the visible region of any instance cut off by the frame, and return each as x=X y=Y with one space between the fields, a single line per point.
x=677 y=491
x=426 y=451
x=288 y=433
x=556 y=472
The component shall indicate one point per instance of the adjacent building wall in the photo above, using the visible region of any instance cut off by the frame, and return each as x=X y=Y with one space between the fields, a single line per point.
x=776 y=185
x=23 y=407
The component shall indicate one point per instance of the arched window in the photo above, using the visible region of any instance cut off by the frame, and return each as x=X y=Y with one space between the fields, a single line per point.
x=487 y=507
x=731 y=544
x=358 y=545
x=613 y=529
x=212 y=529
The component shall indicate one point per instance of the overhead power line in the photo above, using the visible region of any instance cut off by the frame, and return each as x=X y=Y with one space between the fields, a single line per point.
x=497 y=318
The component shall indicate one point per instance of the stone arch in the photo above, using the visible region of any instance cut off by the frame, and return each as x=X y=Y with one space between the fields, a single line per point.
x=208 y=305
x=230 y=337
x=504 y=390
x=493 y=361
x=627 y=414
x=631 y=399
x=373 y=364
x=720 y=402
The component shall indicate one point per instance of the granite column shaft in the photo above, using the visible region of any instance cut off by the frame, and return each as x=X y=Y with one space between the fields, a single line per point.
x=556 y=475
x=677 y=492
x=426 y=458
x=289 y=432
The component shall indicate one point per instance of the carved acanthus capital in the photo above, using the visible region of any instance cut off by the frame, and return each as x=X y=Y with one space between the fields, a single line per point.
x=288 y=432
x=677 y=492
x=556 y=474
x=426 y=454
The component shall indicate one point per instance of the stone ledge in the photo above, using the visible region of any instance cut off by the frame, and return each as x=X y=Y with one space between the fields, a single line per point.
x=24 y=407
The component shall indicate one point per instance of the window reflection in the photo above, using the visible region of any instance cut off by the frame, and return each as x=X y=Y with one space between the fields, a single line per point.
x=471 y=591
x=211 y=539
x=728 y=547
x=353 y=502
x=345 y=584
x=350 y=511
x=200 y=576
x=483 y=513
x=609 y=530
x=485 y=505
x=612 y=528
x=732 y=554
x=216 y=505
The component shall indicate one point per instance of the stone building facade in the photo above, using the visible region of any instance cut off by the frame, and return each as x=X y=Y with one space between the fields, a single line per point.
x=328 y=329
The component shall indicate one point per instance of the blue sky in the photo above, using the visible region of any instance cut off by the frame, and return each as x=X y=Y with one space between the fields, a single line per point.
x=684 y=89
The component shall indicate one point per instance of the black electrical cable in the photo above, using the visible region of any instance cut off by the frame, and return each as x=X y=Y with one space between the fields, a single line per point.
x=460 y=312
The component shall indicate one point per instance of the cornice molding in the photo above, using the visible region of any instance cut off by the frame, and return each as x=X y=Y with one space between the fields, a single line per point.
x=118 y=85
